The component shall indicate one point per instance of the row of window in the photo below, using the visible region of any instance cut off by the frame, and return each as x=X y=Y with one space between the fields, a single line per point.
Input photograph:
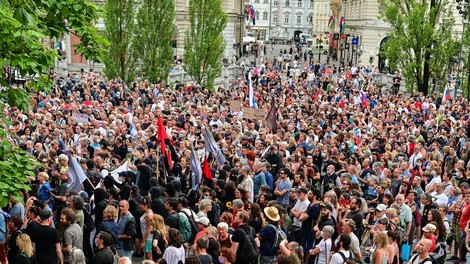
x=287 y=3
x=287 y=19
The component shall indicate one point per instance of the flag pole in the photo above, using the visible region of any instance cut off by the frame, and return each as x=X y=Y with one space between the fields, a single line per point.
x=157 y=171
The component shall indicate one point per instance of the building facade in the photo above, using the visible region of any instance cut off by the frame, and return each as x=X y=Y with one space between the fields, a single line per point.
x=281 y=18
x=233 y=33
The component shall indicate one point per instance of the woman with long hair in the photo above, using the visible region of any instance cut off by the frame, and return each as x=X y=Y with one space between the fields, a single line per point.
x=380 y=255
x=174 y=253
x=26 y=254
x=256 y=217
x=159 y=236
x=435 y=216
x=13 y=227
x=3 y=253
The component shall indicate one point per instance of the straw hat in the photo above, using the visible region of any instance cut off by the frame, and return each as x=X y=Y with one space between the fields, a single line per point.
x=272 y=213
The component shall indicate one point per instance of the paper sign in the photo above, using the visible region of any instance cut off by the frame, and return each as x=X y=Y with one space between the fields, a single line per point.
x=248 y=113
x=235 y=105
x=260 y=114
x=81 y=118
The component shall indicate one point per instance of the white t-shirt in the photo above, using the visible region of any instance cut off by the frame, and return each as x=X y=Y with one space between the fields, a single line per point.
x=302 y=207
x=415 y=260
x=325 y=248
x=338 y=259
x=441 y=199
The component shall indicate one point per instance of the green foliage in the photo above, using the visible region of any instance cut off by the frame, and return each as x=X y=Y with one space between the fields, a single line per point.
x=25 y=27
x=204 y=42
x=421 y=44
x=120 y=60
x=155 y=30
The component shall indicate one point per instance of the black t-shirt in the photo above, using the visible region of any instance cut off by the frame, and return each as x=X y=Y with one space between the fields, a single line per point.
x=45 y=239
x=104 y=256
x=144 y=179
x=239 y=237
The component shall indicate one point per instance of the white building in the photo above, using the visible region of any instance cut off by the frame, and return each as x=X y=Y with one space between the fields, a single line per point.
x=283 y=17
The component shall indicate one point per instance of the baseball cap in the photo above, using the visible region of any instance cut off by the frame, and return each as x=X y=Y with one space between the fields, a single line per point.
x=381 y=207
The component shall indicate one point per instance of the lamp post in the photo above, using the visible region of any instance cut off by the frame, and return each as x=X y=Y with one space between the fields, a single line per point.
x=462 y=6
x=319 y=49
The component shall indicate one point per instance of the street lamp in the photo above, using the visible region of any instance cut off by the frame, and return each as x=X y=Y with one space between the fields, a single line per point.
x=319 y=49
x=462 y=6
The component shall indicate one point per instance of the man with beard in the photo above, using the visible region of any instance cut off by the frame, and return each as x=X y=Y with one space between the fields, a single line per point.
x=331 y=179
x=356 y=215
x=308 y=218
x=73 y=235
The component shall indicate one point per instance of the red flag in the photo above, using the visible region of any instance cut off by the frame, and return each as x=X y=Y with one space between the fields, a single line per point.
x=206 y=171
x=162 y=137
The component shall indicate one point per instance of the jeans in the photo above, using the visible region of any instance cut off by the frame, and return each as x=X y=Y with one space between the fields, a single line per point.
x=463 y=246
x=125 y=253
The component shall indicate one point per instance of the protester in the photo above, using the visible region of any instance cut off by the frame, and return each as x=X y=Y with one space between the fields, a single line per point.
x=316 y=133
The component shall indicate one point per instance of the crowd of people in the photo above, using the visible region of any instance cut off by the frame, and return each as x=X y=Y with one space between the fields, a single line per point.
x=346 y=172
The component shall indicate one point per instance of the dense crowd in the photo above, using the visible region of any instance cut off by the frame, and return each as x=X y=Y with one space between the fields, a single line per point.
x=345 y=172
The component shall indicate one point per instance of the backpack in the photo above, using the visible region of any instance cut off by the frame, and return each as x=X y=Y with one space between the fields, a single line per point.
x=279 y=236
x=184 y=227
x=88 y=223
x=7 y=217
x=424 y=260
x=449 y=235
x=249 y=249
x=192 y=223
x=344 y=257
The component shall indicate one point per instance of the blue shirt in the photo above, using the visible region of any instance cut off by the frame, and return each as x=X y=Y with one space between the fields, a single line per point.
x=44 y=193
x=269 y=180
x=284 y=185
x=122 y=223
x=258 y=180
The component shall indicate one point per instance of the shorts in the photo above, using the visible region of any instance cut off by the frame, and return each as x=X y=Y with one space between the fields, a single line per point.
x=148 y=246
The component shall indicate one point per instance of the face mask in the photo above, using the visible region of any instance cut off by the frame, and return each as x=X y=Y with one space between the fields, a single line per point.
x=206 y=197
x=336 y=243
x=321 y=233
x=221 y=260
x=323 y=155
x=428 y=167
x=129 y=150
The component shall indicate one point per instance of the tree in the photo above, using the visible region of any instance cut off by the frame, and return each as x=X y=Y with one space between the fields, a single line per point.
x=204 y=42
x=156 y=28
x=421 y=44
x=120 y=60
x=25 y=25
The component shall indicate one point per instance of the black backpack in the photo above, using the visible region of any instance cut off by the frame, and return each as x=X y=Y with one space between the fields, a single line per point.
x=88 y=223
x=250 y=250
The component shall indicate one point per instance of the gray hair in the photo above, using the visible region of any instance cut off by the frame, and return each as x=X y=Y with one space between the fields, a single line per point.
x=238 y=203
x=204 y=203
x=223 y=225
x=63 y=157
x=329 y=229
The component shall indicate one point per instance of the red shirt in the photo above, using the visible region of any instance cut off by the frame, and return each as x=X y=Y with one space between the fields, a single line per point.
x=433 y=240
x=465 y=217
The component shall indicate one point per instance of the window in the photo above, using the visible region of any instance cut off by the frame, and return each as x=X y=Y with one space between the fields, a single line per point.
x=287 y=3
x=256 y=1
x=257 y=15
x=265 y=1
x=299 y=3
x=286 y=19
x=311 y=3
x=275 y=3
x=310 y=19
x=265 y=15
x=299 y=20
x=275 y=19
